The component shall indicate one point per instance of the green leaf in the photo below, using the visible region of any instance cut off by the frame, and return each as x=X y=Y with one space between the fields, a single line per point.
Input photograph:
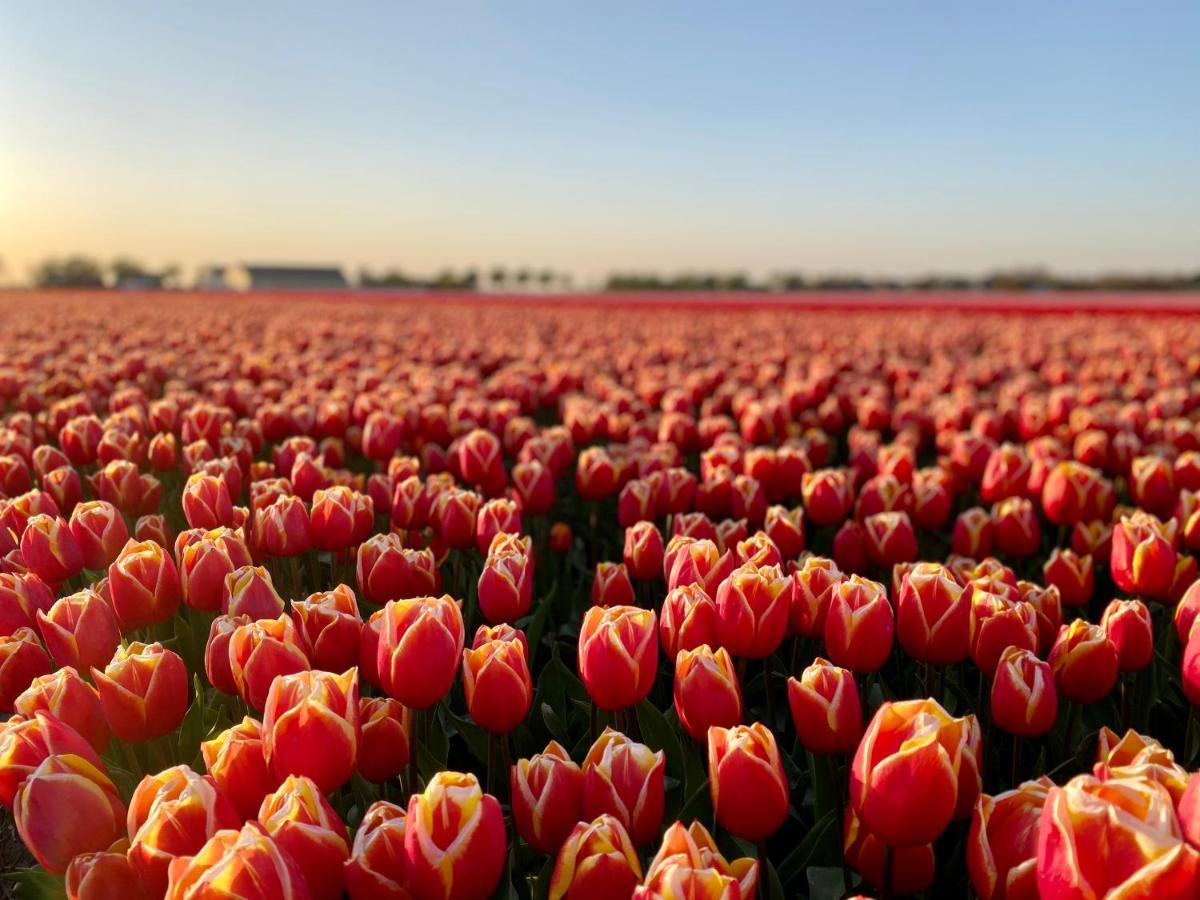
x=658 y=734
x=537 y=624
x=802 y=856
x=192 y=730
x=825 y=883
x=36 y=884
x=774 y=885
x=555 y=725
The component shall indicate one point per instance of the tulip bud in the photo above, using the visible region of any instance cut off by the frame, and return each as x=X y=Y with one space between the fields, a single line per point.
x=1072 y=574
x=247 y=864
x=611 y=585
x=1002 y=843
x=250 y=591
x=1128 y=625
x=383 y=748
x=281 y=529
x=1190 y=675
x=1084 y=661
x=143 y=691
x=329 y=625
x=812 y=591
x=173 y=813
x=890 y=538
x=22 y=599
x=235 y=759
x=310 y=710
x=910 y=870
x=1132 y=814
x=205 y=561
x=547 y=797
x=420 y=645
x=306 y=827
x=1024 y=699
x=454 y=515
x=618 y=654
x=933 y=615
x=749 y=788
x=22 y=659
x=625 y=779
x=67 y=782
x=914 y=768
x=50 y=550
x=144 y=585
x=498 y=516
x=688 y=620
x=825 y=708
x=1048 y=607
x=207 y=503
x=643 y=550
x=1143 y=560
x=759 y=551
x=597 y=861
x=99 y=531
x=94 y=876
x=497 y=685
x=1070 y=493
x=706 y=691
x=80 y=630
x=696 y=562
x=786 y=528
x=860 y=624
x=753 y=609
x=388 y=571
x=26 y=742
x=260 y=651
x=828 y=496
x=506 y=586
x=66 y=696
x=376 y=865
x=454 y=843
x=996 y=625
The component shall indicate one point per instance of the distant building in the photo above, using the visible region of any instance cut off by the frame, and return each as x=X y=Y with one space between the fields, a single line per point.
x=254 y=277
x=142 y=281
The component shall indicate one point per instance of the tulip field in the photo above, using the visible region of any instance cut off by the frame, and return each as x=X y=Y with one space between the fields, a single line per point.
x=308 y=597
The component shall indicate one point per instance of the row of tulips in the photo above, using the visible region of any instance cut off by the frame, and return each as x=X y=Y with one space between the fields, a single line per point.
x=463 y=601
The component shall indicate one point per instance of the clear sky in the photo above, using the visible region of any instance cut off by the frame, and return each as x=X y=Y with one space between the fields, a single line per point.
x=874 y=136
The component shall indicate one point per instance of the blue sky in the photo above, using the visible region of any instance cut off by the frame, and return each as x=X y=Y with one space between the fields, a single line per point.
x=878 y=137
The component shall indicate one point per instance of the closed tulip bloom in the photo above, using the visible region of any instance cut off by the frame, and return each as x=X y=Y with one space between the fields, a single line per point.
x=375 y=869
x=611 y=585
x=66 y=696
x=501 y=632
x=644 y=551
x=825 y=708
x=311 y=726
x=911 y=866
x=1128 y=625
x=759 y=551
x=60 y=783
x=259 y=652
x=996 y=625
x=383 y=746
x=216 y=652
x=498 y=516
x=481 y=459
x=688 y=864
x=973 y=534
x=696 y=562
x=547 y=797
x=250 y=591
x=625 y=779
x=497 y=685
x=812 y=591
x=534 y=484
x=828 y=495
x=248 y=864
x=281 y=529
x=1191 y=668
x=1116 y=838
x=1006 y=473
x=1072 y=574
x=909 y=771
x=1024 y=699
x=597 y=862
x=65 y=487
x=333 y=519
x=618 y=655
x=306 y=827
x=1143 y=560
x=850 y=547
x=890 y=538
x=933 y=615
x=1084 y=661
x=144 y=585
x=207 y=502
x=706 y=691
x=237 y=762
x=329 y=625
x=1069 y=493
x=505 y=587
x=80 y=630
x=420 y=647
x=753 y=609
x=50 y=550
x=388 y=571
x=99 y=531
x=454 y=842
x=859 y=627
x=1186 y=612
x=785 y=527
x=22 y=597
x=1002 y=843
x=26 y=742
x=204 y=564
x=688 y=620
x=102 y=876
x=143 y=691
x=746 y=779
x=1047 y=605
x=173 y=813
x=1016 y=527
x=368 y=649
x=454 y=514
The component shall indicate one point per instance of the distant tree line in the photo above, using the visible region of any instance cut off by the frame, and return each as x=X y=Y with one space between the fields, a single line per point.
x=77 y=271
